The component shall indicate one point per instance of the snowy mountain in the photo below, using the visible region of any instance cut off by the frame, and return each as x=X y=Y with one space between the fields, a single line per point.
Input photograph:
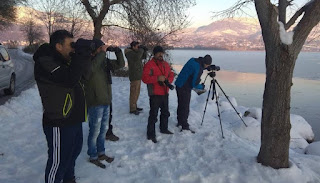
x=228 y=34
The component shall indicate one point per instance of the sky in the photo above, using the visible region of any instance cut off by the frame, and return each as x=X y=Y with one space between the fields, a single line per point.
x=201 y=13
x=203 y=157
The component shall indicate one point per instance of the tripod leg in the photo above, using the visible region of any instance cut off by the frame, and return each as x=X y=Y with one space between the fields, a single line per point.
x=231 y=103
x=219 y=115
x=205 y=109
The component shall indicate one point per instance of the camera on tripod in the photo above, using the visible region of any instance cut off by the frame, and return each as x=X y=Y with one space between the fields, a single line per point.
x=113 y=49
x=213 y=68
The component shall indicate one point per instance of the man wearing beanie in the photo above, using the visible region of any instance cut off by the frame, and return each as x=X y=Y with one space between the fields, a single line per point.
x=98 y=97
x=155 y=74
x=134 y=55
x=189 y=78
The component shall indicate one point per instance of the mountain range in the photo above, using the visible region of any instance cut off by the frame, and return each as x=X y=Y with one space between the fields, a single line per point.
x=225 y=34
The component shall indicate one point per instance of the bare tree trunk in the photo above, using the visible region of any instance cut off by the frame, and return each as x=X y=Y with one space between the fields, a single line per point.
x=280 y=62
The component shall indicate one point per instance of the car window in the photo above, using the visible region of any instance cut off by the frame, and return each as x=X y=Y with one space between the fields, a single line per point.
x=4 y=54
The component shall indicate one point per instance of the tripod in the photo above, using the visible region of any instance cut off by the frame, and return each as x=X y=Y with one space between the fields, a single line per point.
x=214 y=93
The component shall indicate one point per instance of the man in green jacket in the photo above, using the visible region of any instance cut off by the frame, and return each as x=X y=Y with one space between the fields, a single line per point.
x=99 y=97
x=134 y=55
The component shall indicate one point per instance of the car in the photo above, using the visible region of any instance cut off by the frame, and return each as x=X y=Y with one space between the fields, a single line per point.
x=7 y=72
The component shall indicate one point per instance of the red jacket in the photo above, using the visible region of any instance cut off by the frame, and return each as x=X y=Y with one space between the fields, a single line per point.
x=150 y=74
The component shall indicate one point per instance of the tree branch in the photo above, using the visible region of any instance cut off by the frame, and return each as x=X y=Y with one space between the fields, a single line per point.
x=115 y=25
x=295 y=17
x=89 y=9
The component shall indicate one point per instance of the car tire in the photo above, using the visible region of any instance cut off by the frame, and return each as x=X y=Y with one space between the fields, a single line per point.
x=12 y=86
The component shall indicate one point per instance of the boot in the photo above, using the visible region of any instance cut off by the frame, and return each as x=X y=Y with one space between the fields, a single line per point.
x=110 y=136
x=136 y=112
x=166 y=132
x=139 y=109
x=188 y=129
x=106 y=158
x=97 y=163
x=153 y=139
x=71 y=181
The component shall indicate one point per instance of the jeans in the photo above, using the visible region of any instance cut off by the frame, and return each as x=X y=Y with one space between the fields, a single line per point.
x=98 y=121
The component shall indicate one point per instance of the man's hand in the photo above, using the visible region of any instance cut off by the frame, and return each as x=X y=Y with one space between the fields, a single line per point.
x=161 y=78
x=104 y=47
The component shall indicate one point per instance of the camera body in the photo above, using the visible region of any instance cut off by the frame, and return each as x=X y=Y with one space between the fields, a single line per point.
x=166 y=82
x=143 y=47
x=84 y=45
x=213 y=68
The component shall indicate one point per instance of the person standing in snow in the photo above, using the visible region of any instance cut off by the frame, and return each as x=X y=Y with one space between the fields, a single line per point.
x=99 y=97
x=58 y=71
x=156 y=73
x=189 y=78
x=134 y=55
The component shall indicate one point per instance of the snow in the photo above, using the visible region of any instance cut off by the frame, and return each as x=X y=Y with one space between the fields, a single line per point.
x=313 y=148
x=286 y=37
x=182 y=157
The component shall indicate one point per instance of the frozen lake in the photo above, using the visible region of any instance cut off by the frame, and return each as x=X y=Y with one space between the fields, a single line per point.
x=242 y=76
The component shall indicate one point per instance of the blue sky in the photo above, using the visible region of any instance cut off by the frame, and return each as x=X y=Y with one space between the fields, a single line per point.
x=201 y=13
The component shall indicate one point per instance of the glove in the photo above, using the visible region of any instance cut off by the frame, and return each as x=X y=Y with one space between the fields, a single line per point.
x=199 y=91
x=199 y=86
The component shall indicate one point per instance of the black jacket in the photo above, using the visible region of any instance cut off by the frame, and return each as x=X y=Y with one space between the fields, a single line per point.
x=58 y=81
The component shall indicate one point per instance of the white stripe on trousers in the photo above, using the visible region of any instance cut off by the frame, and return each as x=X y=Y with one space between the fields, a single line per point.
x=55 y=154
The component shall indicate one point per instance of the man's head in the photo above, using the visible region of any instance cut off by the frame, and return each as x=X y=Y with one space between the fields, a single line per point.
x=135 y=45
x=158 y=53
x=207 y=60
x=98 y=44
x=61 y=41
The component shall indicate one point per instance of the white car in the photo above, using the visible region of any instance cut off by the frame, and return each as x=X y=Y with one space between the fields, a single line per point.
x=7 y=74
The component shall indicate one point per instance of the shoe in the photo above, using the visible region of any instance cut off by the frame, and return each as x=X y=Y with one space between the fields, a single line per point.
x=112 y=137
x=97 y=163
x=153 y=139
x=106 y=158
x=136 y=112
x=166 y=132
x=139 y=109
x=188 y=129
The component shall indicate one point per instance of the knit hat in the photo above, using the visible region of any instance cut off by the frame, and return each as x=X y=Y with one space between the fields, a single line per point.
x=157 y=49
x=98 y=42
x=207 y=60
x=134 y=43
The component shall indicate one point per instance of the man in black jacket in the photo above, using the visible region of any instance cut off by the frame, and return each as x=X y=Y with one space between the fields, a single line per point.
x=57 y=71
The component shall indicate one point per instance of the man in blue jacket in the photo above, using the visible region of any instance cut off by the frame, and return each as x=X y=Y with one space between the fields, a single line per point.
x=189 y=78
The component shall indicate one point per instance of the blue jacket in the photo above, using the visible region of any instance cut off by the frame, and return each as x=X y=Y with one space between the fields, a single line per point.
x=189 y=77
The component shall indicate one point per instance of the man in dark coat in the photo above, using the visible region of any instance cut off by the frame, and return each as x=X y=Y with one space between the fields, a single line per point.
x=58 y=74
x=134 y=55
x=189 y=78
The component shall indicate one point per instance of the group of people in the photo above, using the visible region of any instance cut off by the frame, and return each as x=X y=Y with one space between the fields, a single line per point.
x=74 y=82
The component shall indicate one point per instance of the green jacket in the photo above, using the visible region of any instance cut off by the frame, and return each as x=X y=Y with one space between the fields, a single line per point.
x=135 y=62
x=98 y=85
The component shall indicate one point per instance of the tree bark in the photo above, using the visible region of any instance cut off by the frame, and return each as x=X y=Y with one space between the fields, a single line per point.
x=280 y=62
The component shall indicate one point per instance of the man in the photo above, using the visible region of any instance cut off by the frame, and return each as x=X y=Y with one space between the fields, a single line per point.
x=155 y=73
x=98 y=97
x=134 y=55
x=189 y=78
x=58 y=78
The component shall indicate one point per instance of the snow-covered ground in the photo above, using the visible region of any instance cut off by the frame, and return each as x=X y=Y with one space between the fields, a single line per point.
x=183 y=157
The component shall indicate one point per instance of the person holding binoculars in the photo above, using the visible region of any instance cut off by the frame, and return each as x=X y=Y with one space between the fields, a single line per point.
x=99 y=96
x=134 y=55
x=157 y=74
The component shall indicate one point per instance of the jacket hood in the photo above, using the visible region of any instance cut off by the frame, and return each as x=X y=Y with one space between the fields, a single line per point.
x=43 y=50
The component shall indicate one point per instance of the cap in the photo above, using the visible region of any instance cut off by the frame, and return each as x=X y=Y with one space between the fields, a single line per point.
x=207 y=60
x=157 y=49
x=98 y=42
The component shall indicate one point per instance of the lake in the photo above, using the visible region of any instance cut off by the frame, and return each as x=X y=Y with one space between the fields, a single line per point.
x=242 y=76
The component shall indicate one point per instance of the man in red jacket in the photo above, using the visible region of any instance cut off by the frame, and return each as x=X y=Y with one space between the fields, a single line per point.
x=155 y=74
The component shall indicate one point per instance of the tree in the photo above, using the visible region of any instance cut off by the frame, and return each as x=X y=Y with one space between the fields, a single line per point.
x=130 y=18
x=8 y=12
x=280 y=60
x=32 y=31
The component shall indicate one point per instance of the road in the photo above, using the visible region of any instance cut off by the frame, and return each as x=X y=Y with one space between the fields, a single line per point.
x=24 y=73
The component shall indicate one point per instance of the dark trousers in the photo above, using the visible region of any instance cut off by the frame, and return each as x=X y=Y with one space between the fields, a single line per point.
x=64 y=146
x=184 y=96
x=156 y=102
